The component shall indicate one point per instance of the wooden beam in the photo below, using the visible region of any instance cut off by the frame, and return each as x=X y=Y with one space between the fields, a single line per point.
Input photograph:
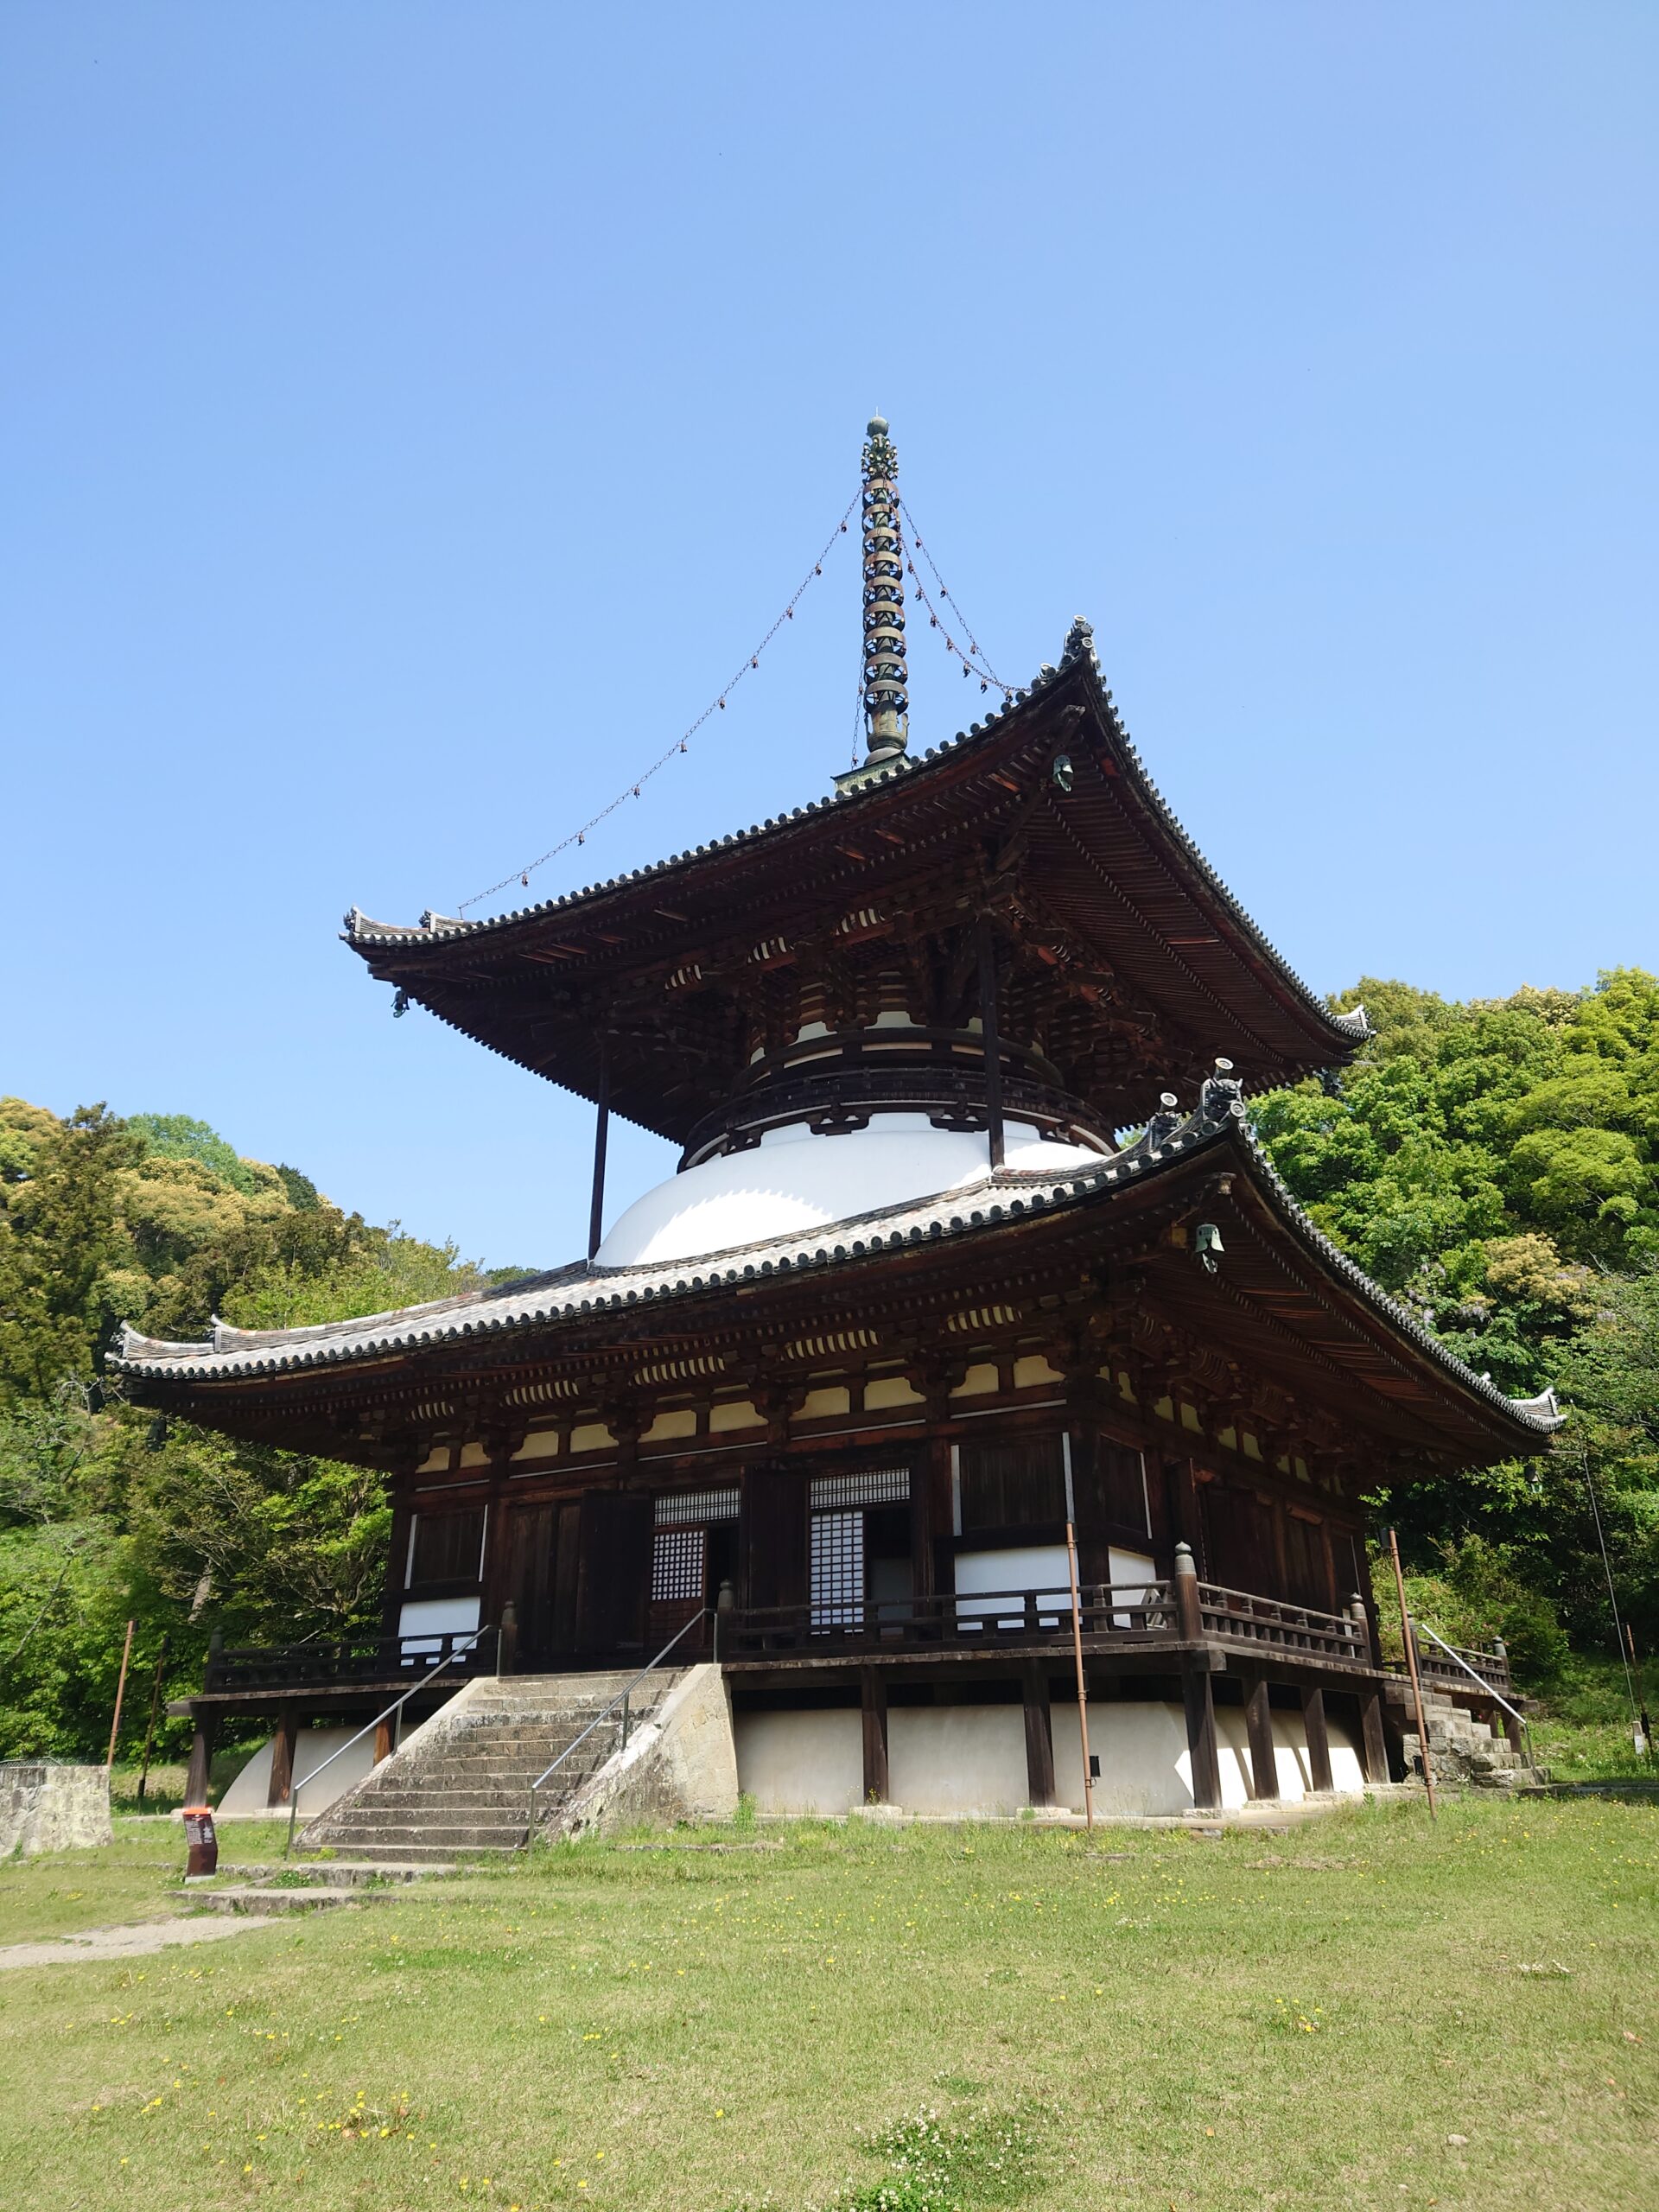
x=282 y=1756
x=1374 y=1743
x=198 y=1772
x=1258 y=1723
x=1040 y=1734
x=873 y=1698
x=601 y=1138
x=1199 y=1700
x=987 y=1031
x=1319 y=1740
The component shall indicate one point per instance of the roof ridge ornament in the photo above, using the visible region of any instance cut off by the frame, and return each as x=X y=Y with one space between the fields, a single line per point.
x=886 y=698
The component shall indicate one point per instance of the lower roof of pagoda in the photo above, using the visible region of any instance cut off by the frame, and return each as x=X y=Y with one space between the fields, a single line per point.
x=1281 y=1301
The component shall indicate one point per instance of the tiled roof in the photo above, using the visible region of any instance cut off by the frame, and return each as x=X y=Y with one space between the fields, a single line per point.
x=435 y=928
x=568 y=1293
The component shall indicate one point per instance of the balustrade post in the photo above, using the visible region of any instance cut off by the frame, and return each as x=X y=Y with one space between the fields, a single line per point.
x=1362 y=1621
x=725 y=1606
x=506 y=1641
x=1189 y=1613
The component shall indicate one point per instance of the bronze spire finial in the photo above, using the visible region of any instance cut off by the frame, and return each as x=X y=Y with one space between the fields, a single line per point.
x=886 y=701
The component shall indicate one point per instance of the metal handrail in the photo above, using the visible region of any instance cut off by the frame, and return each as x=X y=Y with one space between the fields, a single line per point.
x=1421 y=1628
x=397 y=1706
x=621 y=1699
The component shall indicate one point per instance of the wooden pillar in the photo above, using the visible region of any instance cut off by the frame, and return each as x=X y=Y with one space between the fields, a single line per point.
x=391 y=1609
x=1258 y=1723
x=382 y=1740
x=873 y=1697
x=1199 y=1700
x=602 y=1139
x=1189 y=1614
x=1039 y=1735
x=1183 y=1493
x=1373 y=1743
x=201 y=1759
x=988 y=1038
x=282 y=1756
x=1319 y=1740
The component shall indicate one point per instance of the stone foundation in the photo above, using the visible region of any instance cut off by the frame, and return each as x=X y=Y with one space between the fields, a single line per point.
x=680 y=1765
x=48 y=1806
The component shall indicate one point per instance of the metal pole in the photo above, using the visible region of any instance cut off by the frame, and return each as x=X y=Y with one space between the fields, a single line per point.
x=988 y=1032
x=155 y=1713
x=1083 y=1680
x=1612 y=1599
x=1641 y=1692
x=120 y=1692
x=1410 y=1642
x=602 y=1139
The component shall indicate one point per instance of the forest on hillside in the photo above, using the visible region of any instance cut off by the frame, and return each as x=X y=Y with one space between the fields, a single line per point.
x=1494 y=1165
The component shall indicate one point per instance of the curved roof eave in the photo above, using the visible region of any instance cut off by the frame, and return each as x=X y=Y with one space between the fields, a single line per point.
x=569 y=1293
x=1346 y=1030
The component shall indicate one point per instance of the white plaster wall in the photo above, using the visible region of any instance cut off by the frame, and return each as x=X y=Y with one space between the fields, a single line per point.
x=968 y=1759
x=957 y=1758
x=245 y=1798
x=1145 y=1766
x=801 y=1762
x=1041 y=1567
x=436 y=1617
x=794 y=1181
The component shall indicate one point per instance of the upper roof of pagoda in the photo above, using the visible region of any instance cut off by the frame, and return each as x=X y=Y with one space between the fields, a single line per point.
x=1042 y=816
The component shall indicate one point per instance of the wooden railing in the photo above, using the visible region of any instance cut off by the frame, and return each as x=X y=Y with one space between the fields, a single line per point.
x=966 y=1620
x=313 y=1666
x=1490 y=1662
x=1236 y=1616
x=1178 y=1611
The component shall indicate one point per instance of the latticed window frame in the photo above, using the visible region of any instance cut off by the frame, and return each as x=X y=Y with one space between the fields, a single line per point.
x=837 y=1569
x=696 y=1509
x=861 y=1486
x=677 y=1565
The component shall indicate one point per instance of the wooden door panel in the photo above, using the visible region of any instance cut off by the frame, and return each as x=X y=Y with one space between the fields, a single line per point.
x=614 y=1573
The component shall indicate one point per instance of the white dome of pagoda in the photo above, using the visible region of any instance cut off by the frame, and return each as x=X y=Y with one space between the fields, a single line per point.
x=794 y=1181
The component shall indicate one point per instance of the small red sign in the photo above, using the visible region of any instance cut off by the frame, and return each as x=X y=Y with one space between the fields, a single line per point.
x=200 y=1835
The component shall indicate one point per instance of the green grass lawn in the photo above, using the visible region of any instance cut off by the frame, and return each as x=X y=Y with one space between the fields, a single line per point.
x=1364 y=2012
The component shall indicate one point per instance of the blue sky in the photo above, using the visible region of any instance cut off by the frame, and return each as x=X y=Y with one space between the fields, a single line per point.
x=410 y=415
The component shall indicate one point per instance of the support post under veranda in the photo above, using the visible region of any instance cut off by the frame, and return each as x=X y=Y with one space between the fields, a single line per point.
x=1083 y=1679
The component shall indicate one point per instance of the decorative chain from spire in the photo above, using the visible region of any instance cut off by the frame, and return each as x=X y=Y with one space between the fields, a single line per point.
x=886 y=701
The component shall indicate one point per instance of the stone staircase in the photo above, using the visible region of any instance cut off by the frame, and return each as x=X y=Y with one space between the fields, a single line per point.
x=461 y=1783
x=1466 y=1752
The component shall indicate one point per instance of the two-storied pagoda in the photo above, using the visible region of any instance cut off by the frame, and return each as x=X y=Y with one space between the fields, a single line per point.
x=910 y=1307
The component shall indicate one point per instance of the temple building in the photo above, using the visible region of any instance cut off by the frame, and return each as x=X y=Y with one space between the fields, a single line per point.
x=970 y=1245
